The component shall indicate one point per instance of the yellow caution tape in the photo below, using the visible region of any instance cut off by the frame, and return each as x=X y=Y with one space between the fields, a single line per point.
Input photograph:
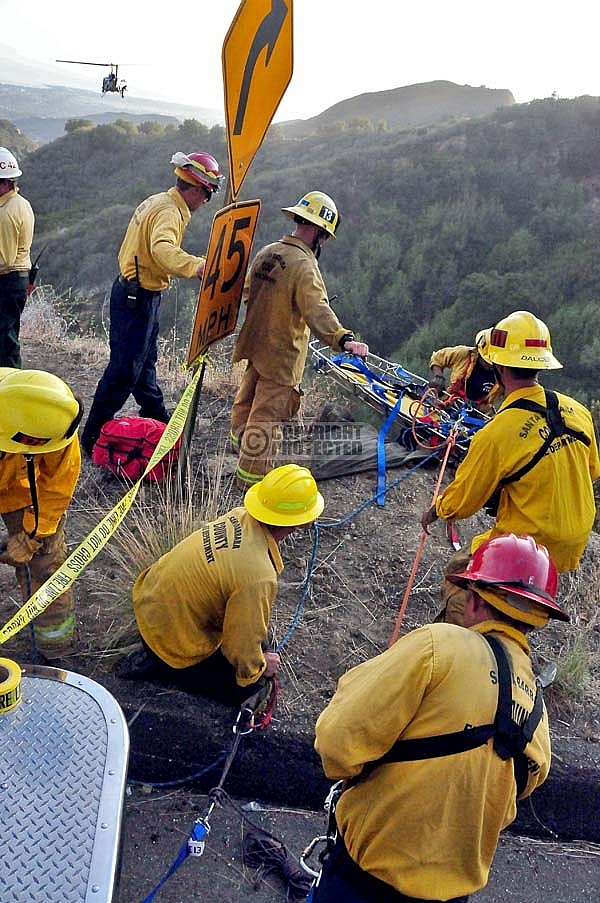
x=78 y=560
x=10 y=684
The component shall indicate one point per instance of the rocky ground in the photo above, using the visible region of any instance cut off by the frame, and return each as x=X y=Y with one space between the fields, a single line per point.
x=362 y=558
x=359 y=565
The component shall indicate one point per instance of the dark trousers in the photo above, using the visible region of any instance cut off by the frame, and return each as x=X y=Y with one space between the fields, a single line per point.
x=343 y=880
x=214 y=677
x=13 y=295
x=131 y=369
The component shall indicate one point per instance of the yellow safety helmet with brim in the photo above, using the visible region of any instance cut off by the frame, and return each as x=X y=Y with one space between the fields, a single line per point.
x=317 y=208
x=286 y=497
x=38 y=412
x=522 y=340
x=482 y=343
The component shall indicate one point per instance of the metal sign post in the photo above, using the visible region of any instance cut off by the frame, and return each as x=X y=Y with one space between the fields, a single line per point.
x=257 y=65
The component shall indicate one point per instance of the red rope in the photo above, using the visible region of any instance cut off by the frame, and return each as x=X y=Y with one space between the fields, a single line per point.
x=422 y=538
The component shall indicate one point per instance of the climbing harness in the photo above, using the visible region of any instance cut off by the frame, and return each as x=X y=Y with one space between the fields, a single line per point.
x=556 y=428
x=509 y=737
x=255 y=713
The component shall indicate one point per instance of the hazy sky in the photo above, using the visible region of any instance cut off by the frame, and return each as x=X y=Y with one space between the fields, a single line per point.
x=341 y=48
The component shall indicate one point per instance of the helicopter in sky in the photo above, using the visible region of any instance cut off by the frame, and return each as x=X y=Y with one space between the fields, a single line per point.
x=110 y=83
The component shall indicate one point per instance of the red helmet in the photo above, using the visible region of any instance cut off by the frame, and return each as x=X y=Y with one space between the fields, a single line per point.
x=516 y=565
x=198 y=169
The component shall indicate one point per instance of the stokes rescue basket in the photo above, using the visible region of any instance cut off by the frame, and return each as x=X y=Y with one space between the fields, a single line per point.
x=126 y=444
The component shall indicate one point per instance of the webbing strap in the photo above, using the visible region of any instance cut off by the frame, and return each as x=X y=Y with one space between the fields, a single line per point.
x=556 y=424
x=510 y=738
x=34 y=496
x=381 y=437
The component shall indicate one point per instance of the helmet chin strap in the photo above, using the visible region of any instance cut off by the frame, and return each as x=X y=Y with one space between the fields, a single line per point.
x=497 y=376
x=317 y=244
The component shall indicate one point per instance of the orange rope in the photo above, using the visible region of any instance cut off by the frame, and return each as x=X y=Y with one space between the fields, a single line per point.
x=423 y=537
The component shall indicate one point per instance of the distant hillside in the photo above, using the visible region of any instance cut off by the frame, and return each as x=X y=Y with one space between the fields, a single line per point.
x=42 y=130
x=41 y=112
x=405 y=108
x=444 y=229
x=11 y=137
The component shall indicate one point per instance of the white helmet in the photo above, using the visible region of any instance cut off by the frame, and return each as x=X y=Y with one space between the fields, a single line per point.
x=9 y=168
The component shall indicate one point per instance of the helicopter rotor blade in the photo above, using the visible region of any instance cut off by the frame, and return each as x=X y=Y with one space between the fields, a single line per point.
x=84 y=63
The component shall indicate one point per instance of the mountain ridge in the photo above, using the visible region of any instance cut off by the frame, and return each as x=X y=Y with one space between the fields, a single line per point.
x=42 y=111
x=409 y=106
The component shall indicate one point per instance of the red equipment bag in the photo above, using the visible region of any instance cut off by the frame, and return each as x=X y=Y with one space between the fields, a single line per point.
x=126 y=444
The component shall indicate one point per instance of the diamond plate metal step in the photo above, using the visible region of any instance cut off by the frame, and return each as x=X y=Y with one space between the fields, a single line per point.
x=64 y=751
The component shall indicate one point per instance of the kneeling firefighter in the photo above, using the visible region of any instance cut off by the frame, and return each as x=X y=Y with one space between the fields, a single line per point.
x=40 y=462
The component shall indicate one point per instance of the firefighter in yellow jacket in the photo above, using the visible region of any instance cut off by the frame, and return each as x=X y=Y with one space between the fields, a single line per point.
x=40 y=462
x=427 y=828
x=471 y=376
x=203 y=609
x=286 y=300
x=16 y=234
x=149 y=255
x=537 y=462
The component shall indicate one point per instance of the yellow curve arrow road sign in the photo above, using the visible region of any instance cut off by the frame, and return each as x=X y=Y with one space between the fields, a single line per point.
x=257 y=61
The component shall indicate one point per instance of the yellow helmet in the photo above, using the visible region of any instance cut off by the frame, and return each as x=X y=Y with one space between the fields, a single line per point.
x=316 y=208
x=285 y=497
x=482 y=343
x=521 y=340
x=38 y=412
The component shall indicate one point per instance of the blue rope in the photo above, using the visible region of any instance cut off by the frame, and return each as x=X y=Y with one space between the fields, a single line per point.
x=316 y=526
x=373 y=498
x=200 y=829
x=178 y=781
x=199 y=832
x=304 y=592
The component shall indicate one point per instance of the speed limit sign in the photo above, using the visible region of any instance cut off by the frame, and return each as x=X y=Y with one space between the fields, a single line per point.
x=227 y=256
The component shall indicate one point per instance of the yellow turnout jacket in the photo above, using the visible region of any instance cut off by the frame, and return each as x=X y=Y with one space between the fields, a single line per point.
x=16 y=232
x=460 y=360
x=214 y=589
x=287 y=299
x=429 y=828
x=56 y=475
x=554 y=501
x=154 y=235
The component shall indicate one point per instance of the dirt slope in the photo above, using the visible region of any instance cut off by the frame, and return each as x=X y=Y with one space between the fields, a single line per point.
x=362 y=562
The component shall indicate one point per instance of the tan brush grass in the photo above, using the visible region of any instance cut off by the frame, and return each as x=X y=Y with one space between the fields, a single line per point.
x=43 y=316
x=161 y=515
x=575 y=647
